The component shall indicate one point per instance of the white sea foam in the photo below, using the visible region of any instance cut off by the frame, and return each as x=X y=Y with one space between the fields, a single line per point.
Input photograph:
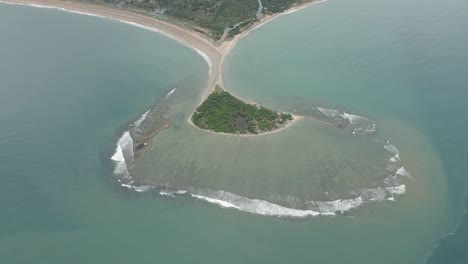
x=126 y=144
x=169 y=194
x=261 y=207
x=391 y=148
x=216 y=201
x=374 y=195
x=392 y=180
x=254 y=206
x=392 y=166
x=170 y=93
x=397 y=190
x=367 y=195
x=337 y=206
x=403 y=172
x=359 y=124
x=139 y=188
x=122 y=170
x=128 y=186
x=118 y=155
x=142 y=188
x=328 y=112
x=395 y=158
x=208 y=61
x=141 y=119
x=123 y=153
x=270 y=209
x=313 y=208
x=372 y=129
x=120 y=165
x=353 y=119
x=148 y=28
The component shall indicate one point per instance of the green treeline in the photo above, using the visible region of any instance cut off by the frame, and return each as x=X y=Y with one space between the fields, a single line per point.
x=208 y=16
x=276 y=6
x=222 y=112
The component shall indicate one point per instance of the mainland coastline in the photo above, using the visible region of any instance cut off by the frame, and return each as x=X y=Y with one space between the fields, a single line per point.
x=215 y=54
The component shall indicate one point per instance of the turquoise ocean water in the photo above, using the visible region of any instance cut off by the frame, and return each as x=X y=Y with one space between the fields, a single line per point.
x=71 y=85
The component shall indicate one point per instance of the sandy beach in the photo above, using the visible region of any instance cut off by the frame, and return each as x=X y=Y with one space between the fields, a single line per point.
x=214 y=54
x=279 y=129
x=194 y=40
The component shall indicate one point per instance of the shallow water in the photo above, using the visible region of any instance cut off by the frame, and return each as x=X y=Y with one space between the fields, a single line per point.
x=400 y=62
x=62 y=202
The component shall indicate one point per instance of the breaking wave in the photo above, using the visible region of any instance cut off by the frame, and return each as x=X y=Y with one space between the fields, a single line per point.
x=311 y=208
x=209 y=62
x=170 y=93
x=395 y=158
x=148 y=114
x=393 y=185
x=392 y=149
x=229 y=200
x=254 y=206
x=140 y=120
x=357 y=125
x=398 y=173
x=328 y=112
x=261 y=207
x=123 y=154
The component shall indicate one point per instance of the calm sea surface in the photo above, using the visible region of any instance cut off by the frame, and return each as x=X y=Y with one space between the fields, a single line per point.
x=70 y=85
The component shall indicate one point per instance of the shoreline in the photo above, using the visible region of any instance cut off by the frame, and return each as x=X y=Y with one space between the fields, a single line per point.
x=295 y=119
x=205 y=47
x=221 y=62
x=215 y=55
x=227 y=46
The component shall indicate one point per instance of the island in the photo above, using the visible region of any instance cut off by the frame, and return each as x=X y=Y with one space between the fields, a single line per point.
x=223 y=112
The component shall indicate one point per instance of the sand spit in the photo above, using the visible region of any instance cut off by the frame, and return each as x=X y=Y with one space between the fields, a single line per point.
x=214 y=54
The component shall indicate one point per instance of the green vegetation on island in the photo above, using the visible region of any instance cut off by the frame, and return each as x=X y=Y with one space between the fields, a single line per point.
x=210 y=17
x=222 y=112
